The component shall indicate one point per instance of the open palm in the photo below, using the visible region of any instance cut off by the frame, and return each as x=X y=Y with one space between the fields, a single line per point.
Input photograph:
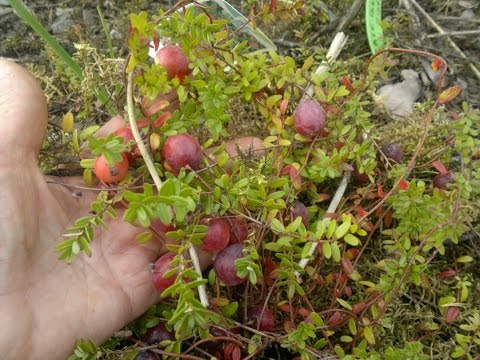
x=45 y=304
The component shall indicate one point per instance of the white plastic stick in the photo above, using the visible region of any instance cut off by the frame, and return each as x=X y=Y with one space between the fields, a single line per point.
x=335 y=48
x=331 y=209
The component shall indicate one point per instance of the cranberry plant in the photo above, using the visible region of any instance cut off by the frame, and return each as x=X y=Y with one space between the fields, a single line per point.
x=286 y=271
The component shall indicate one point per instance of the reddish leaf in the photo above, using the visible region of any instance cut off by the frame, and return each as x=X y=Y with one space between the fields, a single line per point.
x=437 y=64
x=285 y=307
x=448 y=273
x=319 y=279
x=295 y=177
x=347 y=265
x=449 y=94
x=388 y=218
x=368 y=226
x=380 y=192
x=283 y=106
x=270 y=265
x=403 y=185
x=322 y=197
x=338 y=145
x=347 y=291
x=439 y=167
x=361 y=211
x=343 y=279
x=143 y=123
x=232 y=352
x=331 y=278
x=304 y=312
x=336 y=319
x=156 y=43
x=273 y=5
x=161 y=119
x=352 y=253
x=451 y=314
x=348 y=85
x=358 y=308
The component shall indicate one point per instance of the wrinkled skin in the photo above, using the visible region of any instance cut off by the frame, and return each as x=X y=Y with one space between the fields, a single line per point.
x=45 y=304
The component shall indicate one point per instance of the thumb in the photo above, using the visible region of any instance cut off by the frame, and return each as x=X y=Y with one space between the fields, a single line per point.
x=23 y=113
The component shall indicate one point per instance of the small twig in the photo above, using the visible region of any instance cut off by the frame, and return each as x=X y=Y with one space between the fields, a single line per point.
x=455 y=33
x=346 y=19
x=450 y=41
x=458 y=19
x=158 y=183
x=215 y=338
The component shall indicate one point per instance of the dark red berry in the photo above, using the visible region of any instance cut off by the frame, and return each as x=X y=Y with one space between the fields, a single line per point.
x=217 y=236
x=157 y=334
x=309 y=118
x=146 y=355
x=181 y=150
x=162 y=266
x=224 y=265
x=263 y=319
x=238 y=230
x=299 y=209
x=392 y=152
x=440 y=181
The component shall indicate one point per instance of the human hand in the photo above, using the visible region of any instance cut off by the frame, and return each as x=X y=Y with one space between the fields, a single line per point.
x=46 y=304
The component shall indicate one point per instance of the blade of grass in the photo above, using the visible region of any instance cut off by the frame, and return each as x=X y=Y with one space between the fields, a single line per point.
x=24 y=13
x=28 y=17
x=105 y=30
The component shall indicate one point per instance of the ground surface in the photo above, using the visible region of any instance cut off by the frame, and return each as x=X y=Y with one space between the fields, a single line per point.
x=77 y=22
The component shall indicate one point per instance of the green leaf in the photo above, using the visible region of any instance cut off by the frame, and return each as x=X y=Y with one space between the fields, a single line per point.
x=351 y=239
x=342 y=230
x=277 y=226
x=465 y=259
x=345 y=304
x=165 y=214
x=368 y=335
x=230 y=310
x=352 y=326
x=330 y=229
x=327 y=250
x=144 y=237
x=335 y=252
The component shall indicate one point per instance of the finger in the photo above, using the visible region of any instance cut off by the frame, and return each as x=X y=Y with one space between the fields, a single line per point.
x=23 y=110
x=111 y=126
x=71 y=190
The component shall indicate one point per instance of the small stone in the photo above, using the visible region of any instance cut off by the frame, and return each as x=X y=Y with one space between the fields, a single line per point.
x=89 y=17
x=63 y=21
